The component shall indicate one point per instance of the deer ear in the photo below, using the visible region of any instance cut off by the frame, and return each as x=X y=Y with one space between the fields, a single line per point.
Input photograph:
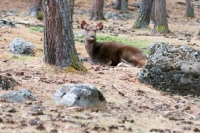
x=83 y=24
x=100 y=26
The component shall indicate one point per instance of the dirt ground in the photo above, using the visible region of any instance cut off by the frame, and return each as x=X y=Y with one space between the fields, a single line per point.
x=134 y=107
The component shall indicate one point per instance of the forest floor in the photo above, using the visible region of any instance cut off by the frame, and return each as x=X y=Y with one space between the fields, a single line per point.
x=135 y=107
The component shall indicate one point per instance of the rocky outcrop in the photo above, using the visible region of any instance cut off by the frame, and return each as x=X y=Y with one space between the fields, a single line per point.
x=82 y=95
x=20 y=46
x=174 y=69
x=18 y=96
x=7 y=83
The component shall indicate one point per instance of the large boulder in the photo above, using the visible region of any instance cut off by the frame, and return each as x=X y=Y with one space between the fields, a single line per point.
x=174 y=69
x=7 y=83
x=18 y=96
x=20 y=46
x=82 y=95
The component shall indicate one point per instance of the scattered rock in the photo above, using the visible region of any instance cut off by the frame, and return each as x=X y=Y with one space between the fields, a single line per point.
x=127 y=16
x=83 y=95
x=116 y=16
x=6 y=22
x=37 y=110
x=18 y=96
x=20 y=46
x=87 y=11
x=36 y=121
x=196 y=23
x=174 y=69
x=7 y=83
x=138 y=4
x=108 y=15
x=54 y=131
x=11 y=110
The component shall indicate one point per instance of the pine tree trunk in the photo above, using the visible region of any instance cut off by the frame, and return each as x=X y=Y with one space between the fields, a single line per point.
x=124 y=6
x=59 y=46
x=97 y=10
x=35 y=7
x=71 y=9
x=161 y=23
x=189 y=9
x=144 y=15
x=153 y=11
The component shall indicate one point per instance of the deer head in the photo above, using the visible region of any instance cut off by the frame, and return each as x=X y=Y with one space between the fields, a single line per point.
x=91 y=30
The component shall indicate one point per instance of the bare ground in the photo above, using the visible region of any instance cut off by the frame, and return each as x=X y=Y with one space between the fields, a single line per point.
x=132 y=106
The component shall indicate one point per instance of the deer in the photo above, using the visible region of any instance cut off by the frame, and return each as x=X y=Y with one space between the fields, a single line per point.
x=110 y=53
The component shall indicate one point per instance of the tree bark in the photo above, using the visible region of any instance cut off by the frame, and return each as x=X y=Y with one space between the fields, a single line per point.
x=71 y=9
x=161 y=23
x=144 y=15
x=189 y=9
x=124 y=6
x=97 y=10
x=59 y=46
x=153 y=11
x=35 y=7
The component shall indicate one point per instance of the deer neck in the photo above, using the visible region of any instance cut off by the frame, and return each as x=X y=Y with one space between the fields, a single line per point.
x=91 y=46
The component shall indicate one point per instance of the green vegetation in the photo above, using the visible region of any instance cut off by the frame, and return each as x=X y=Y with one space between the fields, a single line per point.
x=143 y=44
x=37 y=29
x=17 y=57
x=40 y=15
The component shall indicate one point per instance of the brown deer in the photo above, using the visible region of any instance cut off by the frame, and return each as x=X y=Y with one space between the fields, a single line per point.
x=110 y=53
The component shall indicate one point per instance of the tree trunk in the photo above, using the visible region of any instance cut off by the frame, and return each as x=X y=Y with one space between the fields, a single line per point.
x=144 y=15
x=35 y=7
x=124 y=6
x=71 y=9
x=59 y=46
x=97 y=10
x=161 y=23
x=189 y=9
x=117 y=5
x=153 y=11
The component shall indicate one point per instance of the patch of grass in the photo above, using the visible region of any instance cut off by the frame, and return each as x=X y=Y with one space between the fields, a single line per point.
x=17 y=57
x=40 y=15
x=143 y=44
x=37 y=29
